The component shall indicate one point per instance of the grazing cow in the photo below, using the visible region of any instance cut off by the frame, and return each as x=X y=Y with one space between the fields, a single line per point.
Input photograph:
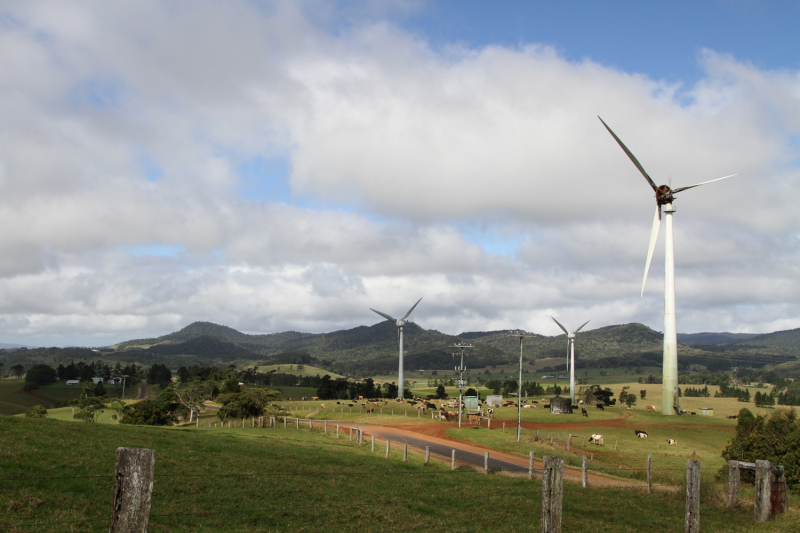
x=370 y=410
x=288 y=399
x=338 y=403
x=641 y=434
x=490 y=411
x=363 y=404
x=672 y=441
x=596 y=439
x=684 y=412
x=474 y=419
x=733 y=417
x=694 y=413
x=650 y=408
x=360 y=397
x=452 y=415
x=508 y=403
x=601 y=406
x=584 y=412
x=315 y=398
x=529 y=407
x=349 y=405
x=303 y=399
x=322 y=406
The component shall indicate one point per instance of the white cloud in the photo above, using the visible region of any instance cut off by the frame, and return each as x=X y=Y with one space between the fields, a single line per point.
x=124 y=126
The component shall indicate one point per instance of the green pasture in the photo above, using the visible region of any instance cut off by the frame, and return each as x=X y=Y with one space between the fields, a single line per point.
x=307 y=370
x=276 y=479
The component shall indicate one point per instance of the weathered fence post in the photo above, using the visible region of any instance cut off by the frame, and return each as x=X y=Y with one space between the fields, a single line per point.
x=649 y=473
x=504 y=427
x=734 y=476
x=325 y=427
x=488 y=423
x=486 y=462
x=337 y=431
x=427 y=455
x=133 y=490
x=615 y=445
x=780 y=500
x=310 y=424
x=763 y=491
x=284 y=422
x=373 y=443
x=552 y=493
x=569 y=441
x=692 y=496
x=350 y=431
x=585 y=472
x=298 y=422
x=452 y=459
x=388 y=447
x=405 y=453
x=536 y=439
x=530 y=465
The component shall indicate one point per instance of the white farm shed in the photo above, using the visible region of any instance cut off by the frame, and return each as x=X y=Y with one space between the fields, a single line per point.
x=494 y=400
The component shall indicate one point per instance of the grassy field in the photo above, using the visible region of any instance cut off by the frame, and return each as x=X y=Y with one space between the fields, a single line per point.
x=288 y=480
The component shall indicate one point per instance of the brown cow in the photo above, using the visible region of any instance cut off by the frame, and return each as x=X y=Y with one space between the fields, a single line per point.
x=474 y=419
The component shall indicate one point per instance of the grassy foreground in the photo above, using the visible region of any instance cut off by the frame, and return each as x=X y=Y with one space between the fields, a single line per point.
x=296 y=480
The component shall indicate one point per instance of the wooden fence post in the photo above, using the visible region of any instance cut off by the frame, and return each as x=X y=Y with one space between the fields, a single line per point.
x=298 y=422
x=388 y=447
x=452 y=459
x=585 y=472
x=133 y=490
x=486 y=462
x=405 y=453
x=373 y=443
x=350 y=431
x=337 y=431
x=780 y=500
x=284 y=422
x=427 y=455
x=692 y=496
x=504 y=427
x=649 y=473
x=530 y=465
x=763 y=491
x=325 y=427
x=552 y=493
x=488 y=423
x=569 y=442
x=536 y=439
x=734 y=476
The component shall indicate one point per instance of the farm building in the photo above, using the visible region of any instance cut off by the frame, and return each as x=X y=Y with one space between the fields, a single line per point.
x=707 y=411
x=494 y=400
x=561 y=406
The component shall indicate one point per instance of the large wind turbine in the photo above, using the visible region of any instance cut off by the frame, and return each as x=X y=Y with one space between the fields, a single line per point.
x=570 y=355
x=400 y=323
x=664 y=197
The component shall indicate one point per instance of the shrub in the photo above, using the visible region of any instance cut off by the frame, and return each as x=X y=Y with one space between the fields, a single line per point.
x=37 y=411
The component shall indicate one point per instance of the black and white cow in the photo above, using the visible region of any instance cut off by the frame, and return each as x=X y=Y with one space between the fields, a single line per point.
x=641 y=434
x=596 y=439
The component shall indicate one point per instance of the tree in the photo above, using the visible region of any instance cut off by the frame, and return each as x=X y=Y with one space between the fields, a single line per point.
x=192 y=395
x=774 y=438
x=627 y=398
x=17 y=370
x=440 y=392
x=89 y=408
x=159 y=374
x=37 y=411
x=149 y=413
x=184 y=374
x=643 y=394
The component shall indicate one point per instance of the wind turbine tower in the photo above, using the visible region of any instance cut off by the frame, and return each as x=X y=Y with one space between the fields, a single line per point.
x=399 y=323
x=665 y=195
x=570 y=356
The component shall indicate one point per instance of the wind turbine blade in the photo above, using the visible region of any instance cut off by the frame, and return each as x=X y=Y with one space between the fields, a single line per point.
x=652 y=247
x=412 y=308
x=580 y=328
x=559 y=325
x=384 y=315
x=631 y=156
x=679 y=189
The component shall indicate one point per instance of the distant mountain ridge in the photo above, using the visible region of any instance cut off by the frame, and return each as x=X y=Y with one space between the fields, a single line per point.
x=695 y=339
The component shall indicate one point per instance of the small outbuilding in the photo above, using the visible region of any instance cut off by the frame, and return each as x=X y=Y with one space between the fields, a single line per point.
x=494 y=400
x=707 y=411
x=73 y=382
x=561 y=406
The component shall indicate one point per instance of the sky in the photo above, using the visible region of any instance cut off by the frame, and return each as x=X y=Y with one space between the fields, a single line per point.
x=288 y=165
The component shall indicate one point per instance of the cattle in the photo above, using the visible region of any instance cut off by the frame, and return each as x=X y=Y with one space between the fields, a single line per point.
x=303 y=399
x=370 y=410
x=289 y=399
x=490 y=411
x=322 y=406
x=649 y=407
x=732 y=417
x=529 y=407
x=693 y=413
x=684 y=412
x=584 y=412
x=349 y=405
x=596 y=439
x=338 y=403
x=641 y=434
x=601 y=406
x=474 y=419
x=672 y=441
x=360 y=397
x=508 y=403
x=375 y=404
x=315 y=398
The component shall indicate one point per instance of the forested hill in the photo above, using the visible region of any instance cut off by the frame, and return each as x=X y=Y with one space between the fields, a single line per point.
x=373 y=349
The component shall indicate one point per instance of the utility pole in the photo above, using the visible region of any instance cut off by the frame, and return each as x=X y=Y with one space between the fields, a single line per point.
x=461 y=383
x=521 y=335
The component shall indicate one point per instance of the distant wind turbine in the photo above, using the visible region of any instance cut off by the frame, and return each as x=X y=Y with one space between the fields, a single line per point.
x=399 y=323
x=664 y=197
x=570 y=355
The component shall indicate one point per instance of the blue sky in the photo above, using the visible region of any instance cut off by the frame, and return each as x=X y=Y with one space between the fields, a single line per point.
x=285 y=165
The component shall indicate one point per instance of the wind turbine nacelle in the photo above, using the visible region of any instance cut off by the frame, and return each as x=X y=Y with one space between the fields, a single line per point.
x=664 y=195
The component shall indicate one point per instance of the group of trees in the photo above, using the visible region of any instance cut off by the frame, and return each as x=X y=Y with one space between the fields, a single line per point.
x=732 y=391
x=774 y=438
x=691 y=392
x=509 y=386
x=790 y=396
x=764 y=400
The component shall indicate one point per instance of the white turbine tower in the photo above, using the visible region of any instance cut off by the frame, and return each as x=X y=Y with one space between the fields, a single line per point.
x=664 y=197
x=570 y=355
x=399 y=323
